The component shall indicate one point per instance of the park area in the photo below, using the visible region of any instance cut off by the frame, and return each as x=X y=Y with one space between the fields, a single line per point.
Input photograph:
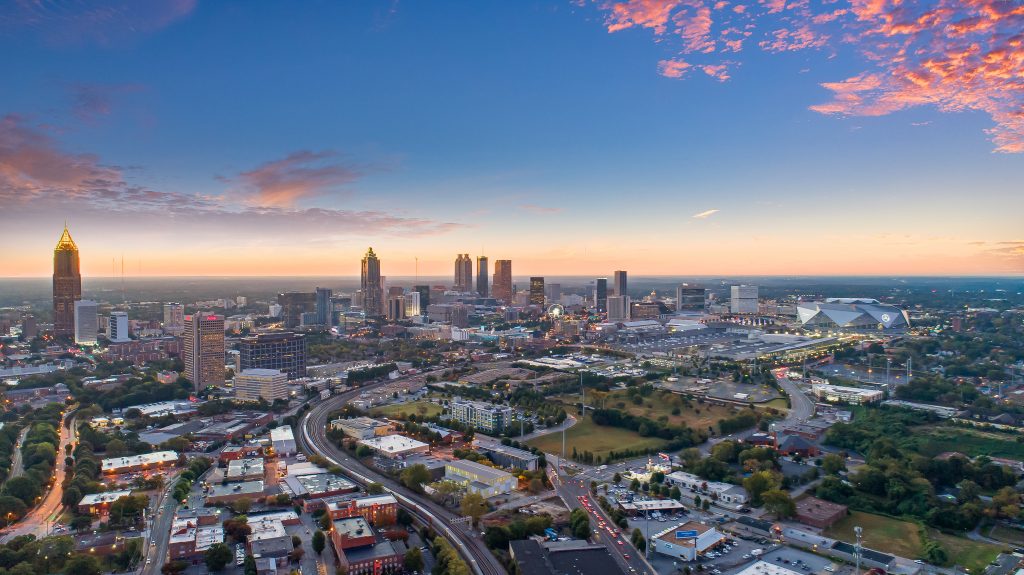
x=599 y=440
x=903 y=538
x=933 y=440
x=663 y=403
x=403 y=410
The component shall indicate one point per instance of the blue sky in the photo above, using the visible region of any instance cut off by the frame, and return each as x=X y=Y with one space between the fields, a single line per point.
x=526 y=129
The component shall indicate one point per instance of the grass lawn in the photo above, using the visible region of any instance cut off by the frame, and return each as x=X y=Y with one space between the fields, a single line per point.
x=1010 y=535
x=931 y=441
x=975 y=555
x=661 y=403
x=778 y=403
x=401 y=410
x=880 y=532
x=588 y=436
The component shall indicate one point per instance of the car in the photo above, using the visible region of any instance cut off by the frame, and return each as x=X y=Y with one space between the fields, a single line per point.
x=626 y=556
x=620 y=542
x=918 y=561
x=746 y=556
x=830 y=568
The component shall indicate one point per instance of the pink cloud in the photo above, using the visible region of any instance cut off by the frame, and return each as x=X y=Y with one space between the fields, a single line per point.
x=296 y=177
x=31 y=161
x=953 y=55
x=540 y=210
x=99 y=22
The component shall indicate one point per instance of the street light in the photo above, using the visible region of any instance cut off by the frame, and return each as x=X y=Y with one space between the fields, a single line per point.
x=857 y=549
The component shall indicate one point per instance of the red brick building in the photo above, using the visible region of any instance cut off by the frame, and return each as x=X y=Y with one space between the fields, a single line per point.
x=818 y=512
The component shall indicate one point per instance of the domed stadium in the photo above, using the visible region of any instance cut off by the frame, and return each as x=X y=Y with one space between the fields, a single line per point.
x=851 y=314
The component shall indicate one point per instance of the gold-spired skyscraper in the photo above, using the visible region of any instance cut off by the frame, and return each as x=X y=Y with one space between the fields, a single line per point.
x=67 y=285
x=370 y=283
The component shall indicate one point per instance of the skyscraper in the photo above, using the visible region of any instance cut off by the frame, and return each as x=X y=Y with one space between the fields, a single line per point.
x=553 y=292
x=86 y=321
x=203 y=351
x=502 y=289
x=174 y=318
x=117 y=329
x=373 y=291
x=412 y=304
x=285 y=351
x=618 y=308
x=324 y=307
x=744 y=299
x=601 y=294
x=689 y=298
x=620 y=283
x=254 y=384
x=396 y=307
x=536 y=291
x=424 y=292
x=463 y=273
x=482 y=280
x=67 y=285
x=294 y=304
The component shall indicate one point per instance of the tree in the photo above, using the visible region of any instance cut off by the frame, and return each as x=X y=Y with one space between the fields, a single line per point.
x=675 y=493
x=696 y=501
x=375 y=489
x=473 y=505
x=319 y=541
x=403 y=517
x=536 y=485
x=580 y=523
x=637 y=538
x=218 y=556
x=174 y=567
x=1006 y=503
x=242 y=505
x=296 y=541
x=82 y=565
x=415 y=476
x=779 y=503
x=616 y=478
x=758 y=483
x=634 y=485
x=413 y=560
x=832 y=464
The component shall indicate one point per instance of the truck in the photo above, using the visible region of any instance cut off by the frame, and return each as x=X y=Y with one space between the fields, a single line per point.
x=551 y=534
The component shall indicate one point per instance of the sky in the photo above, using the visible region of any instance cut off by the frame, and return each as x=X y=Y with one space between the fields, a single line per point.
x=574 y=137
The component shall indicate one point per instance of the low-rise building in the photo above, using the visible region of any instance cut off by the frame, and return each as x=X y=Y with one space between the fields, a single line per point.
x=361 y=427
x=235 y=452
x=725 y=492
x=317 y=485
x=360 y=551
x=268 y=539
x=649 y=506
x=144 y=462
x=244 y=470
x=98 y=503
x=507 y=456
x=192 y=536
x=481 y=479
x=377 y=510
x=234 y=492
x=283 y=440
x=267 y=384
x=818 y=512
x=395 y=446
x=766 y=568
x=845 y=394
x=687 y=541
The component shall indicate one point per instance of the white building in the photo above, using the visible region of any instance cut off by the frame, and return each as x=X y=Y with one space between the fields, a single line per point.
x=361 y=427
x=743 y=299
x=117 y=328
x=766 y=568
x=412 y=304
x=395 y=446
x=270 y=384
x=618 y=308
x=86 y=322
x=283 y=440
x=486 y=417
x=478 y=478
x=725 y=492
x=842 y=393
x=686 y=541
x=143 y=462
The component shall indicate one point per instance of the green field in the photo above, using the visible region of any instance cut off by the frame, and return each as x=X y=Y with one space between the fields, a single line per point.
x=881 y=533
x=931 y=441
x=1007 y=534
x=402 y=410
x=588 y=436
x=974 y=555
x=661 y=403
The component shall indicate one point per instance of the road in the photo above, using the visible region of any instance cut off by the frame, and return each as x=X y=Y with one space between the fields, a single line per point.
x=40 y=520
x=801 y=407
x=570 y=489
x=313 y=437
x=17 y=462
x=160 y=529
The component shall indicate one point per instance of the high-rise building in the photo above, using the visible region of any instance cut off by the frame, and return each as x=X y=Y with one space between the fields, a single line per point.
x=601 y=294
x=284 y=351
x=502 y=288
x=743 y=299
x=293 y=305
x=86 y=321
x=203 y=351
x=117 y=328
x=463 y=273
x=482 y=280
x=553 y=292
x=618 y=308
x=536 y=291
x=323 y=307
x=396 y=307
x=412 y=304
x=174 y=318
x=689 y=298
x=253 y=384
x=619 y=283
x=370 y=283
x=644 y=310
x=424 y=292
x=67 y=285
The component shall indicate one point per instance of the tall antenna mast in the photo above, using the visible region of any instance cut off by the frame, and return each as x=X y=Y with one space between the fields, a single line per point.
x=417 y=258
x=124 y=297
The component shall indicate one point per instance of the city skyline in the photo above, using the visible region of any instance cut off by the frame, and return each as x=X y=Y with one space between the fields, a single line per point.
x=670 y=138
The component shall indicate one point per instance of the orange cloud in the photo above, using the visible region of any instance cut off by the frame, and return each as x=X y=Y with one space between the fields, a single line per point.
x=673 y=68
x=652 y=14
x=540 y=210
x=296 y=177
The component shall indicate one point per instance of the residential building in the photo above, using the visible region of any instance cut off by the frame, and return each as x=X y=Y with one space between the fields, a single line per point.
x=619 y=283
x=845 y=394
x=203 y=352
x=743 y=299
x=536 y=291
x=371 y=285
x=502 y=288
x=601 y=294
x=284 y=351
x=618 y=307
x=67 y=285
x=478 y=478
x=486 y=417
x=687 y=541
x=463 y=273
x=482 y=279
x=86 y=321
x=117 y=328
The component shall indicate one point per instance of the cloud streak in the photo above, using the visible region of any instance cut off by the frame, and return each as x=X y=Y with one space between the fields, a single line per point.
x=299 y=176
x=953 y=55
x=540 y=210
x=101 y=22
x=704 y=215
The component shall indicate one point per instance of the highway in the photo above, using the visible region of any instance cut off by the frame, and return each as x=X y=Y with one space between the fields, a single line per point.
x=39 y=521
x=312 y=437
